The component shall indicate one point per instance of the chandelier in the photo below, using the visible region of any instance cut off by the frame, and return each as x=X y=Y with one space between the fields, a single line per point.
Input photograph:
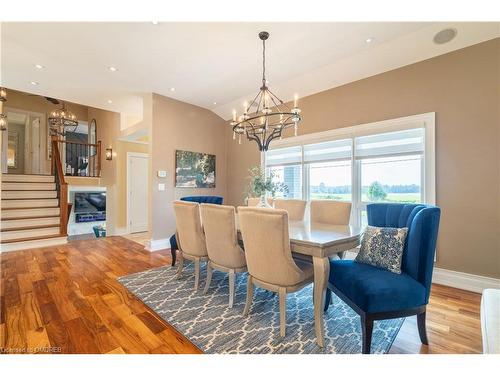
x=267 y=116
x=62 y=120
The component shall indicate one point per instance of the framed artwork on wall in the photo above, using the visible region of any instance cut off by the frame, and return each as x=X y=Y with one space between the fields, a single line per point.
x=194 y=169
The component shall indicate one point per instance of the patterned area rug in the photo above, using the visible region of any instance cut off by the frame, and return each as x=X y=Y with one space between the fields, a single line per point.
x=208 y=322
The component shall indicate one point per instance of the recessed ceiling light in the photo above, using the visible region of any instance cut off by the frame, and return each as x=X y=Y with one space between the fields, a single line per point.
x=215 y=103
x=112 y=68
x=110 y=101
x=34 y=83
x=172 y=89
x=369 y=40
x=38 y=66
x=445 y=36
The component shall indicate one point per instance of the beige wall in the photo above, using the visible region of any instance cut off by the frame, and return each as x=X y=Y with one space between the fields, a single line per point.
x=121 y=178
x=34 y=103
x=108 y=132
x=181 y=126
x=462 y=87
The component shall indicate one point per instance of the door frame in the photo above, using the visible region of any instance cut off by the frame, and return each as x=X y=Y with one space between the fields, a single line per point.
x=136 y=155
x=43 y=130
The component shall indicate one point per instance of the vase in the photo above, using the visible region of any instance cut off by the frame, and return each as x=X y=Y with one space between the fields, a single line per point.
x=263 y=203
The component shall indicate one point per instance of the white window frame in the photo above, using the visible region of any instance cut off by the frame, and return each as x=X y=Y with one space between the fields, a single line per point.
x=424 y=120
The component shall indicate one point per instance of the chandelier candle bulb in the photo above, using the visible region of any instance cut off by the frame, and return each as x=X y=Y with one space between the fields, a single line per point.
x=239 y=139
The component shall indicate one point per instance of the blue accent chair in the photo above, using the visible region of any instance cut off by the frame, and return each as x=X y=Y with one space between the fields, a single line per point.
x=378 y=294
x=213 y=199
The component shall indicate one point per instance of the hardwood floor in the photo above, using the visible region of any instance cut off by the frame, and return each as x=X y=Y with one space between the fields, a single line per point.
x=67 y=298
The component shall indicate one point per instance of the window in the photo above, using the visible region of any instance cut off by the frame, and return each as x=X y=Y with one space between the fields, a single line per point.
x=330 y=180
x=291 y=176
x=392 y=179
x=286 y=166
x=389 y=161
x=329 y=169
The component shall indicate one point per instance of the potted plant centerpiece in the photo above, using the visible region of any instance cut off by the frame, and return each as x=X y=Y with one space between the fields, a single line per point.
x=263 y=186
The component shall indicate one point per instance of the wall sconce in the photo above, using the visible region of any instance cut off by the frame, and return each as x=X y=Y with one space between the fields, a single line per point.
x=109 y=154
x=3 y=94
x=3 y=122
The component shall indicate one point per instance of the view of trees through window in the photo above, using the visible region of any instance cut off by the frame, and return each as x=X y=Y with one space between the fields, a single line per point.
x=330 y=180
x=391 y=179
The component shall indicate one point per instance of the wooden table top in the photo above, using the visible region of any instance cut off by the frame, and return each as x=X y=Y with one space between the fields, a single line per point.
x=319 y=239
x=322 y=235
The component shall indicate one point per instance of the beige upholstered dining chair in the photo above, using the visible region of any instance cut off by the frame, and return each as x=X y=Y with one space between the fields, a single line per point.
x=296 y=208
x=224 y=253
x=331 y=212
x=252 y=202
x=190 y=237
x=269 y=257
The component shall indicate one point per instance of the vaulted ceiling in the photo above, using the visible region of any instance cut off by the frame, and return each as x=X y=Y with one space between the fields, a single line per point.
x=212 y=65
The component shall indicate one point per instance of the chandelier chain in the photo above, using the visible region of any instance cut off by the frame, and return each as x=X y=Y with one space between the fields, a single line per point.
x=264 y=62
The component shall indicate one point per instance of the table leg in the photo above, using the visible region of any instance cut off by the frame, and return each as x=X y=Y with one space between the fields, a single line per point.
x=321 y=274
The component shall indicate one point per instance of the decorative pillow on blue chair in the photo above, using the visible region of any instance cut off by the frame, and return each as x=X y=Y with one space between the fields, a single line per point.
x=383 y=247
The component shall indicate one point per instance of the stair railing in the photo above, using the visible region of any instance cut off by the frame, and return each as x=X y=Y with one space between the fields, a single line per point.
x=61 y=187
x=81 y=159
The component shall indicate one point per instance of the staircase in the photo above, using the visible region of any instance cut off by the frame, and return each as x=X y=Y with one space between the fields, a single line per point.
x=30 y=212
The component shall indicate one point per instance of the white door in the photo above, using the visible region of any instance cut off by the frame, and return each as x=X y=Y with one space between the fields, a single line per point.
x=138 y=192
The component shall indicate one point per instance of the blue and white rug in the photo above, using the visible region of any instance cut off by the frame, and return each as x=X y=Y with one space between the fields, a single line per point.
x=208 y=322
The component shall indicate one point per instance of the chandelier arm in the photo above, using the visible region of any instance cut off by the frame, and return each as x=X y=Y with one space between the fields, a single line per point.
x=253 y=101
x=261 y=98
x=274 y=102
x=281 y=101
x=275 y=134
x=256 y=139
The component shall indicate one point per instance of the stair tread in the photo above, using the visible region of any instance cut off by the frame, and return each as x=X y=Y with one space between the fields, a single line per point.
x=27 y=208
x=27 y=228
x=26 y=174
x=27 y=199
x=28 y=217
x=32 y=238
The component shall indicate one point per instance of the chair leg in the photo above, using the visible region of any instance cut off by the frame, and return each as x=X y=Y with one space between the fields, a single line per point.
x=232 y=280
x=328 y=299
x=196 y=273
x=209 y=277
x=422 y=331
x=248 y=303
x=174 y=255
x=367 y=328
x=180 y=266
x=282 y=296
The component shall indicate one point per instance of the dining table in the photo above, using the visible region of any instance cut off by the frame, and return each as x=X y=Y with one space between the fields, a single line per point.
x=318 y=242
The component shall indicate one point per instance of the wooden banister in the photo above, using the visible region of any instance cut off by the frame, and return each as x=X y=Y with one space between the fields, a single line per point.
x=62 y=187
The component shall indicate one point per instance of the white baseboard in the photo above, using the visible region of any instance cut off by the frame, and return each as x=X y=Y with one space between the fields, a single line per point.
x=26 y=245
x=120 y=231
x=466 y=281
x=155 y=245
